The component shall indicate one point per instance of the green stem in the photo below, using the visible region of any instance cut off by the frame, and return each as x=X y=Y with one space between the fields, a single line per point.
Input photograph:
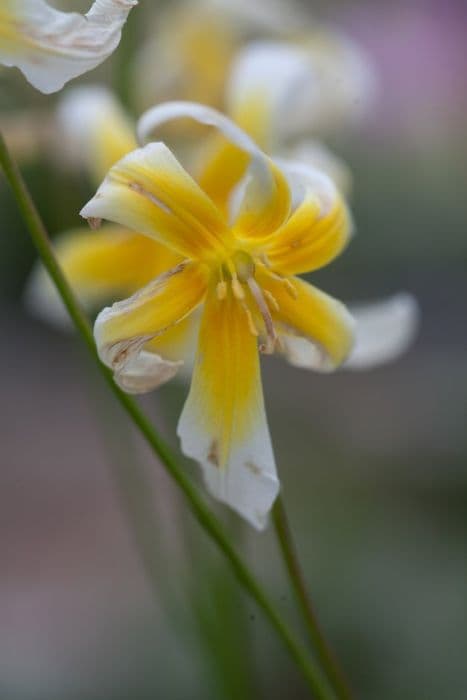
x=297 y=580
x=316 y=681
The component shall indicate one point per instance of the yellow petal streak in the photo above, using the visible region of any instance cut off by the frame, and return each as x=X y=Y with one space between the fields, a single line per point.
x=150 y=192
x=253 y=115
x=222 y=170
x=111 y=261
x=309 y=240
x=306 y=312
x=226 y=386
x=156 y=308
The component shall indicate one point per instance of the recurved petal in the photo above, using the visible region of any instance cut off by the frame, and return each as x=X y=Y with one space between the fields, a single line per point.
x=384 y=330
x=223 y=424
x=315 y=330
x=96 y=131
x=100 y=266
x=150 y=192
x=265 y=201
x=319 y=227
x=125 y=330
x=51 y=47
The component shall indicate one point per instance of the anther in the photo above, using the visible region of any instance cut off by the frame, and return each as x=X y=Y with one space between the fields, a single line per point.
x=271 y=337
x=221 y=290
x=251 y=324
x=271 y=299
x=289 y=287
x=239 y=292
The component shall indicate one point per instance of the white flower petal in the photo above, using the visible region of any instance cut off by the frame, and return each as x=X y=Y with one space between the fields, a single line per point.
x=384 y=330
x=145 y=372
x=308 y=87
x=320 y=157
x=52 y=47
x=303 y=178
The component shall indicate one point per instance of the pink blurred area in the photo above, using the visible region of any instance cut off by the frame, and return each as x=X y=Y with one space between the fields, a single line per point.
x=419 y=50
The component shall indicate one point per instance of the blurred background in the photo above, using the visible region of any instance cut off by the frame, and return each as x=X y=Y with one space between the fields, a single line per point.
x=373 y=464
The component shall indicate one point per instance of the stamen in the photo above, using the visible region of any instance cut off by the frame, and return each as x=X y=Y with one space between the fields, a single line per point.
x=239 y=292
x=251 y=324
x=286 y=282
x=221 y=290
x=289 y=287
x=271 y=337
x=271 y=299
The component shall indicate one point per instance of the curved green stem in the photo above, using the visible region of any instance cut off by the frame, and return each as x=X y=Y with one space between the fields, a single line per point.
x=297 y=580
x=316 y=681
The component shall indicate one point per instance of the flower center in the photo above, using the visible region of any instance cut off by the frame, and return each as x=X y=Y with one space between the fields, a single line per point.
x=237 y=276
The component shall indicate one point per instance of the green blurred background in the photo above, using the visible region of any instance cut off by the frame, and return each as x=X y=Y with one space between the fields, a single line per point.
x=373 y=464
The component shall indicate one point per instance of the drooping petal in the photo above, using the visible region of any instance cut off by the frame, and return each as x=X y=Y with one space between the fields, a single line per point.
x=51 y=47
x=223 y=424
x=315 y=330
x=305 y=87
x=319 y=227
x=123 y=331
x=96 y=131
x=384 y=330
x=100 y=266
x=150 y=192
x=265 y=202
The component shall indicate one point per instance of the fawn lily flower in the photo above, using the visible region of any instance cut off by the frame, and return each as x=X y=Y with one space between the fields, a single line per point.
x=51 y=47
x=240 y=268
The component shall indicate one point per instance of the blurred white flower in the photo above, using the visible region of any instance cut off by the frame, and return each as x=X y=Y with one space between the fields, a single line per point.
x=51 y=47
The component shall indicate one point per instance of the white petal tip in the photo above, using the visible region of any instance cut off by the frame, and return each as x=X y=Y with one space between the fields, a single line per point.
x=384 y=331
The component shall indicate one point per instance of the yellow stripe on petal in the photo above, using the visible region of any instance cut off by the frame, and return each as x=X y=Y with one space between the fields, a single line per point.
x=223 y=424
x=224 y=166
x=319 y=227
x=310 y=240
x=149 y=191
x=112 y=260
x=315 y=330
x=122 y=330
